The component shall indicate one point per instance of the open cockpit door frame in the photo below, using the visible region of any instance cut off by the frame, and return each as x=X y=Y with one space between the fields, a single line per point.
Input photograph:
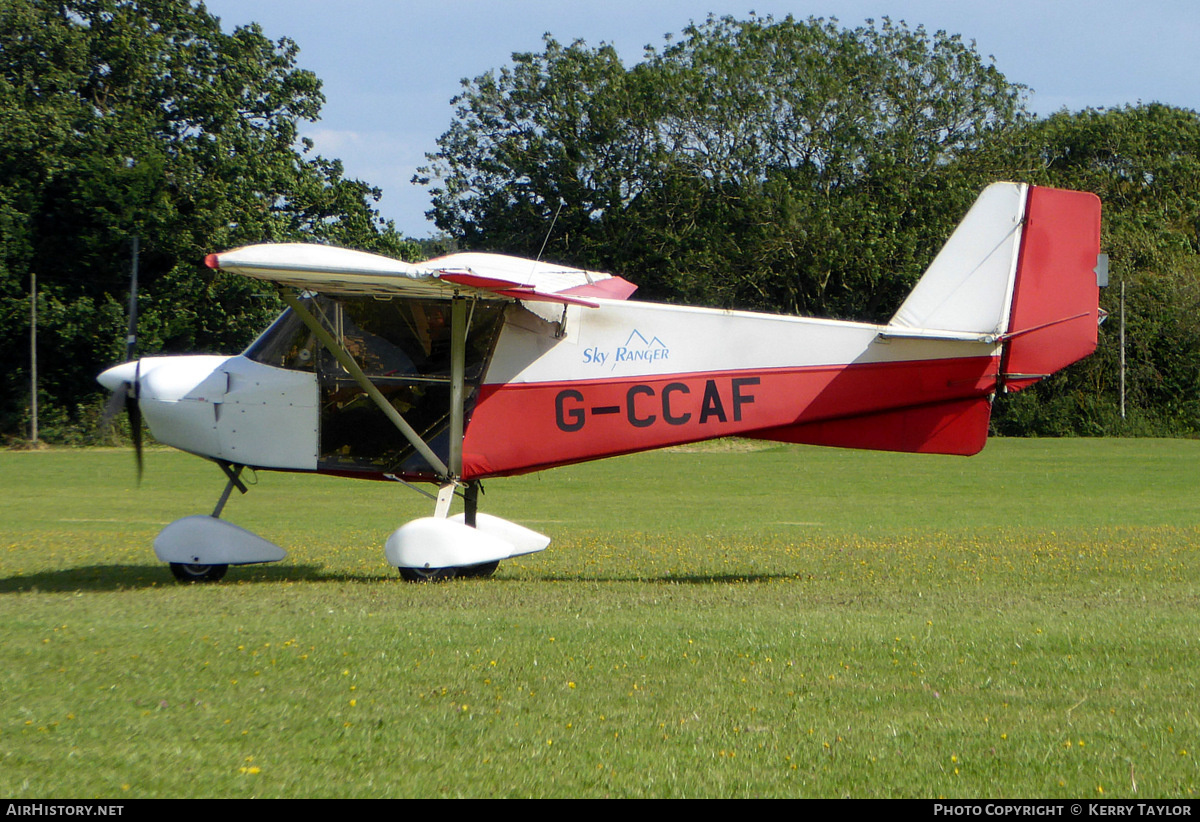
x=347 y=362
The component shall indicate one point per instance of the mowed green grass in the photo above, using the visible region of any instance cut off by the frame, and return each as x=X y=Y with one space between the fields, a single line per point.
x=734 y=620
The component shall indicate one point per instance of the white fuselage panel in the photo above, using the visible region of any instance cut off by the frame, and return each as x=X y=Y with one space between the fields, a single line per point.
x=229 y=408
x=620 y=340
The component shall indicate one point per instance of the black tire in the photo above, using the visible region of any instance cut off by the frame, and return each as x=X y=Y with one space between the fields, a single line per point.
x=480 y=571
x=198 y=573
x=428 y=574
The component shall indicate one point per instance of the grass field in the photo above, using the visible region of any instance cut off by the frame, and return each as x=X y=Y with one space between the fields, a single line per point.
x=735 y=620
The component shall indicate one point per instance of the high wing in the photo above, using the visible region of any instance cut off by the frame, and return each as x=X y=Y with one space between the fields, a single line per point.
x=344 y=272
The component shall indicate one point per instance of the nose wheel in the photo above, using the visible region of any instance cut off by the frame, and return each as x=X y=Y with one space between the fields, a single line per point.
x=427 y=574
x=200 y=548
x=198 y=573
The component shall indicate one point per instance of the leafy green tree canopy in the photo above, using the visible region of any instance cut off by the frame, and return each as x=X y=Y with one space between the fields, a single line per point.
x=123 y=118
x=785 y=165
x=1144 y=163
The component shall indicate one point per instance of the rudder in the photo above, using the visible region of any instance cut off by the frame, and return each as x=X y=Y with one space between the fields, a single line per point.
x=1056 y=299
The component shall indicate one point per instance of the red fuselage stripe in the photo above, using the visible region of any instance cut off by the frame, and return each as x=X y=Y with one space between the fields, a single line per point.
x=519 y=427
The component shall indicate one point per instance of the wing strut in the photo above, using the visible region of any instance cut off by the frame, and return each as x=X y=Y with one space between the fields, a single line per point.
x=347 y=362
x=458 y=358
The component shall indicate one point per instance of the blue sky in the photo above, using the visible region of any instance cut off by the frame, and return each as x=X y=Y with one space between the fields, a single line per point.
x=390 y=67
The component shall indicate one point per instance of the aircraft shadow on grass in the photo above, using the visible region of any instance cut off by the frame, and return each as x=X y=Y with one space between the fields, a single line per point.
x=101 y=578
x=667 y=579
x=97 y=578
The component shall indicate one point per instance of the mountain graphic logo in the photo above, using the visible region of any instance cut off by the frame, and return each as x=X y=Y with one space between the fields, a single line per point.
x=653 y=342
x=639 y=348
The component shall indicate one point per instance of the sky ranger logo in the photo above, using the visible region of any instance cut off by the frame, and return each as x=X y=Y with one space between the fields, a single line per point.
x=636 y=349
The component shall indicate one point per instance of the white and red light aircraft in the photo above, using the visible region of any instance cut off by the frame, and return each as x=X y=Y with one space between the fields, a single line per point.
x=477 y=365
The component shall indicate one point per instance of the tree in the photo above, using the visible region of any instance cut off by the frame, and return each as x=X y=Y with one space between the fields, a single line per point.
x=125 y=118
x=1144 y=164
x=784 y=165
x=808 y=168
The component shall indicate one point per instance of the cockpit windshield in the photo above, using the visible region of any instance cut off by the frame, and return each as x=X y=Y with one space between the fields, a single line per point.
x=286 y=343
x=387 y=338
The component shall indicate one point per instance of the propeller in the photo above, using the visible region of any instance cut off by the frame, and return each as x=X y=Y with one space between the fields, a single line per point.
x=127 y=388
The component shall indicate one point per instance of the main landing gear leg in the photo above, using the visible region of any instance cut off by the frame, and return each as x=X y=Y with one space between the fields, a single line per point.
x=471 y=502
x=470 y=509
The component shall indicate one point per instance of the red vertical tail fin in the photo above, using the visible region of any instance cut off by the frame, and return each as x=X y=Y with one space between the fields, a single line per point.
x=1055 y=302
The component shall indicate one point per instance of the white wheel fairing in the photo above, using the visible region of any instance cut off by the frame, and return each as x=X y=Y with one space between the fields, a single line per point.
x=431 y=542
x=205 y=540
x=523 y=540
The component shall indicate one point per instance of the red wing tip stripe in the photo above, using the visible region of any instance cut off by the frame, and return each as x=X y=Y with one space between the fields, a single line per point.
x=477 y=281
x=212 y=261
x=613 y=288
x=517 y=291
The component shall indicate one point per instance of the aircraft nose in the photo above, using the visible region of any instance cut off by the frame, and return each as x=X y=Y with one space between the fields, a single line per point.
x=113 y=378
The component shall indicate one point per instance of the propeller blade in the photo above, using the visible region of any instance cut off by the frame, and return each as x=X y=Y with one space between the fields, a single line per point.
x=131 y=333
x=134 y=411
x=116 y=399
x=116 y=379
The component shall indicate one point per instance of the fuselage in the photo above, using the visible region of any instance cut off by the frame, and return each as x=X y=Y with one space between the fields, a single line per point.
x=545 y=385
x=632 y=376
